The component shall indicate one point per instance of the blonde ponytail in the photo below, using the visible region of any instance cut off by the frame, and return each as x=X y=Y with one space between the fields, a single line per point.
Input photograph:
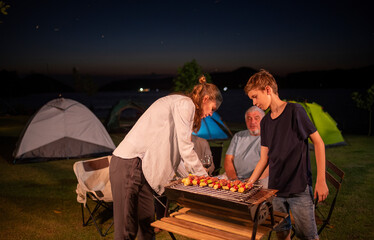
x=199 y=91
x=202 y=79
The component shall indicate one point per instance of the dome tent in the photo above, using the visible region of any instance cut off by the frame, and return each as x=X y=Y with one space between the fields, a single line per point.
x=325 y=124
x=213 y=128
x=113 y=123
x=62 y=128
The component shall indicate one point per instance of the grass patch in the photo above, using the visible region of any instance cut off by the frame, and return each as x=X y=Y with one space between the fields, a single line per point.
x=353 y=214
x=38 y=200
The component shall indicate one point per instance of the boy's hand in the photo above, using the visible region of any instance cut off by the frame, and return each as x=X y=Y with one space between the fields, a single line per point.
x=321 y=190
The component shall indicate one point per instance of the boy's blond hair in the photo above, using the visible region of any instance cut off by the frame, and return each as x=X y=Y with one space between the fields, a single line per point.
x=260 y=80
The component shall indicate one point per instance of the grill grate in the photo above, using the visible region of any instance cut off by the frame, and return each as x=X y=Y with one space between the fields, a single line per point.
x=247 y=197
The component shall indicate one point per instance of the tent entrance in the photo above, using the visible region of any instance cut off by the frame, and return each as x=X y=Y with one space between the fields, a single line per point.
x=66 y=148
x=123 y=116
x=129 y=116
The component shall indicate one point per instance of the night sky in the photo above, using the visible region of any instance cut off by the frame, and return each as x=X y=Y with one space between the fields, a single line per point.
x=143 y=37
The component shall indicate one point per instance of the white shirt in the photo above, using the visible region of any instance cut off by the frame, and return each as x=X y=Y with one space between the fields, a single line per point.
x=161 y=137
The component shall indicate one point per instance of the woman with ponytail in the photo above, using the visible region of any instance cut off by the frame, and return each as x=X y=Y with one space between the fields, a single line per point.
x=148 y=157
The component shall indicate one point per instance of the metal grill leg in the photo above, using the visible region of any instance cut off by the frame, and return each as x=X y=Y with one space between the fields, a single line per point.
x=255 y=225
x=271 y=211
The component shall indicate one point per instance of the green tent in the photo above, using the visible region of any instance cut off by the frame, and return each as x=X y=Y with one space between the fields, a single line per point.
x=325 y=124
x=118 y=112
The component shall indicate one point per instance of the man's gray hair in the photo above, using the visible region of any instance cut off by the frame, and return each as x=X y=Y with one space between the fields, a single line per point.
x=253 y=109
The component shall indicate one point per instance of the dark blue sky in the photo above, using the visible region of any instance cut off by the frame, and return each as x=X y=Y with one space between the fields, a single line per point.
x=142 y=37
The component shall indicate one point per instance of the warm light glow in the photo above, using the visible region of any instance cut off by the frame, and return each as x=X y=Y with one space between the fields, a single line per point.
x=144 y=89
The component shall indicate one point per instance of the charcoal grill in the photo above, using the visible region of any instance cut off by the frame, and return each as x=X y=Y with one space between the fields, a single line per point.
x=254 y=204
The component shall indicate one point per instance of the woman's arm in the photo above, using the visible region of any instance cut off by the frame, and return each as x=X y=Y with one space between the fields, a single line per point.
x=183 y=113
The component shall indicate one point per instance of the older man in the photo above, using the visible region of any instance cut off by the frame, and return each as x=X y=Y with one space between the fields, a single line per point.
x=244 y=151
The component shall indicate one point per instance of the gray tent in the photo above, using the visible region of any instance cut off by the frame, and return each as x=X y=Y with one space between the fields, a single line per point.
x=62 y=128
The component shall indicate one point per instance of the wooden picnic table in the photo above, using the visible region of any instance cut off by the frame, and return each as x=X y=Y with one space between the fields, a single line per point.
x=201 y=225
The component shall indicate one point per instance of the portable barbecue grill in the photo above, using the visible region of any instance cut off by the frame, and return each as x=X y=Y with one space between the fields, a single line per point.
x=254 y=204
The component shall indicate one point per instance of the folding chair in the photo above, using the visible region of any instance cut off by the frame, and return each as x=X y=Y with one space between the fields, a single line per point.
x=94 y=186
x=334 y=179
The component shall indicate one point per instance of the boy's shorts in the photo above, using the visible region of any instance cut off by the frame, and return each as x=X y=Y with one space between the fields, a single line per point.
x=302 y=208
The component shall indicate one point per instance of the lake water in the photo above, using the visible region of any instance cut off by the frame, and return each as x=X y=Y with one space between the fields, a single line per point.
x=337 y=102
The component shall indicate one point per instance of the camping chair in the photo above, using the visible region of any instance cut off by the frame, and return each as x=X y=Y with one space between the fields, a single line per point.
x=334 y=179
x=94 y=187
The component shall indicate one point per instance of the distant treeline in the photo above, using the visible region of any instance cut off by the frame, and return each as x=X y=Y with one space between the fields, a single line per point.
x=12 y=85
x=360 y=78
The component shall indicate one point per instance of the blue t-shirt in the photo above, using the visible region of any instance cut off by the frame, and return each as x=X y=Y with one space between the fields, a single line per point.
x=287 y=139
x=246 y=150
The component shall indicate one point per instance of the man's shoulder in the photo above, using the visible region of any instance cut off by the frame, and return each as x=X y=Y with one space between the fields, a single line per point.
x=245 y=134
x=242 y=133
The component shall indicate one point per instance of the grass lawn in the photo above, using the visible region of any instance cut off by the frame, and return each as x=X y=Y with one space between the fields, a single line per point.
x=38 y=200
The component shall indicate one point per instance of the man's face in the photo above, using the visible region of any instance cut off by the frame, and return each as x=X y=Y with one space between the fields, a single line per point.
x=253 y=119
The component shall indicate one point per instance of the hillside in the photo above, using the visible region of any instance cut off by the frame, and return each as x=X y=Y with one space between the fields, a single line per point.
x=359 y=78
x=337 y=78
x=14 y=86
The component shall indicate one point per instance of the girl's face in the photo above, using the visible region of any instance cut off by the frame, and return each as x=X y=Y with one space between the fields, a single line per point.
x=260 y=98
x=208 y=106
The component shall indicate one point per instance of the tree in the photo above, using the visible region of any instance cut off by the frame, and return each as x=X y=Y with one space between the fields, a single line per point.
x=365 y=102
x=188 y=76
x=3 y=8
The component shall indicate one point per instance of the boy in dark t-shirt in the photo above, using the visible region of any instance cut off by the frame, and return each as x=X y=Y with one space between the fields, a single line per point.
x=284 y=146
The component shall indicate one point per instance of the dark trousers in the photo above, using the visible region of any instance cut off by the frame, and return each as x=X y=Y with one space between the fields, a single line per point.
x=160 y=208
x=133 y=206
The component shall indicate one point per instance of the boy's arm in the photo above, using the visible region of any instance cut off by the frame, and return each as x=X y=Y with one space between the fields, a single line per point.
x=265 y=174
x=319 y=148
x=261 y=165
x=229 y=167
